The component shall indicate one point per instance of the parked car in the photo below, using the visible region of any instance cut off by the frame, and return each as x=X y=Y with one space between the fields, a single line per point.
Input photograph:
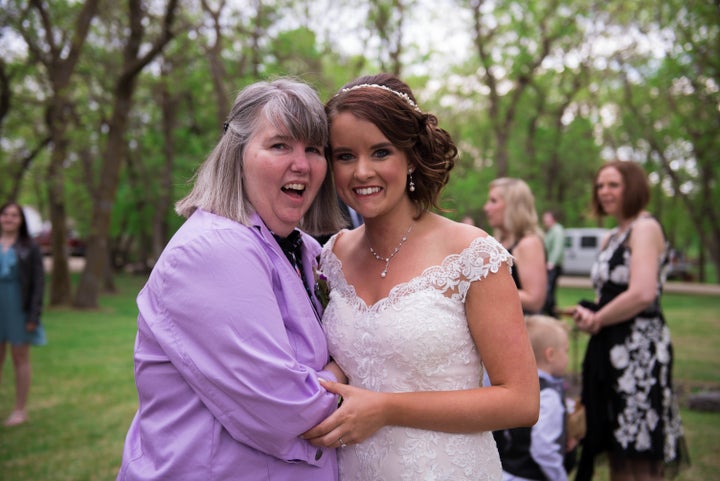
x=75 y=244
x=582 y=246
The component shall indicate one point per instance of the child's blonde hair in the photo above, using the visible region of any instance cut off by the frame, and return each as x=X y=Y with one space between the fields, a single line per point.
x=545 y=331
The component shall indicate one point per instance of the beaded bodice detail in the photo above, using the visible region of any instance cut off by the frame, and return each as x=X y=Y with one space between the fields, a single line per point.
x=415 y=339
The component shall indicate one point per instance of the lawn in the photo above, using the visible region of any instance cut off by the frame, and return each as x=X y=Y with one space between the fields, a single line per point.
x=83 y=395
x=694 y=322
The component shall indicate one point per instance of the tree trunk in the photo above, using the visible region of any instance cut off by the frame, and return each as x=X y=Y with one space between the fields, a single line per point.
x=164 y=201
x=96 y=259
x=214 y=56
x=60 y=286
x=25 y=164
x=97 y=251
x=60 y=64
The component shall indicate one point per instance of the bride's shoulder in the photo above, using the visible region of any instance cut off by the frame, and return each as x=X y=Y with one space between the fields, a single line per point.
x=469 y=252
x=457 y=237
x=343 y=241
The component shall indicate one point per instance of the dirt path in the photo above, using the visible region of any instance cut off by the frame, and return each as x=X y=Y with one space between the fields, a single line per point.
x=670 y=286
x=77 y=264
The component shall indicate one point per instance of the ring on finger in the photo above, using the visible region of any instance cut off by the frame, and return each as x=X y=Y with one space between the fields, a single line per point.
x=342 y=443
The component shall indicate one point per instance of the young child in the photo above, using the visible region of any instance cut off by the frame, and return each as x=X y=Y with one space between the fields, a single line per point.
x=538 y=453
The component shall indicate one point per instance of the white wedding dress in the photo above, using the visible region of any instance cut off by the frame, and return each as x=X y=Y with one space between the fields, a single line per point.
x=416 y=339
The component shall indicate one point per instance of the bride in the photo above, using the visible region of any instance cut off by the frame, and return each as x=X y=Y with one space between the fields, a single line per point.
x=420 y=306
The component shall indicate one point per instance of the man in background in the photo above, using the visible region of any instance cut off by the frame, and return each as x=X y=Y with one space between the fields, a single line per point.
x=554 y=248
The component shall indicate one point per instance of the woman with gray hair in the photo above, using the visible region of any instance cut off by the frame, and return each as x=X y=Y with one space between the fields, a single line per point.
x=229 y=351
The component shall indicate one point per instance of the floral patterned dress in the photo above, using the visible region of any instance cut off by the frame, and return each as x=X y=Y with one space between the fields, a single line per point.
x=627 y=374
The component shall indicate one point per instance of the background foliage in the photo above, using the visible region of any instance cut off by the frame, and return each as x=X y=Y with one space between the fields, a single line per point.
x=107 y=108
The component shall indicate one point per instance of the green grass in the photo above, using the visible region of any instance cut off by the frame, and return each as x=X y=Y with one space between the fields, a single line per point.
x=83 y=395
x=694 y=322
x=82 y=398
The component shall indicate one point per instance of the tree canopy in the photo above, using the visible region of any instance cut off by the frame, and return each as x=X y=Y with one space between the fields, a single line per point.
x=107 y=108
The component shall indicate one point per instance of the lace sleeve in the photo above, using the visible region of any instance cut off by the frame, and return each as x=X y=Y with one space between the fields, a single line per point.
x=453 y=277
x=483 y=256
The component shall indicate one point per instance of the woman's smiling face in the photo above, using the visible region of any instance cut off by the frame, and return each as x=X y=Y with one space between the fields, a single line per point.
x=10 y=220
x=370 y=172
x=610 y=187
x=281 y=176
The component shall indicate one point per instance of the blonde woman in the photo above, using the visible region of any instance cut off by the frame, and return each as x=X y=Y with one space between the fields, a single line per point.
x=510 y=210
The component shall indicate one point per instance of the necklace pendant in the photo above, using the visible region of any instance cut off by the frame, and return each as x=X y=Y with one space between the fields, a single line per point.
x=387 y=260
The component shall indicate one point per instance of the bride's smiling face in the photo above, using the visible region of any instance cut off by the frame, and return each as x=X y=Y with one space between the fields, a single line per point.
x=370 y=172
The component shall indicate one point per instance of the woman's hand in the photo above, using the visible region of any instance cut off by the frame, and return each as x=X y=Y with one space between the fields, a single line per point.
x=333 y=367
x=587 y=320
x=361 y=414
x=571 y=444
x=31 y=326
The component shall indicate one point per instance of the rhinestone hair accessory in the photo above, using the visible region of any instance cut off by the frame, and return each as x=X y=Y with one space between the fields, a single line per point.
x=403 y=96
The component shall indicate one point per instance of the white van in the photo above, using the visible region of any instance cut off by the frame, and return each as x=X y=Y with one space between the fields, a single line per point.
x=581 y=249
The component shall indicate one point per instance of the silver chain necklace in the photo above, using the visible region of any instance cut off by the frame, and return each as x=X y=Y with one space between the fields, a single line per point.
x=387 y=260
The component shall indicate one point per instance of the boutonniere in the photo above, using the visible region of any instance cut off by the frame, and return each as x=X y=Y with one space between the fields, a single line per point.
x=322 y=291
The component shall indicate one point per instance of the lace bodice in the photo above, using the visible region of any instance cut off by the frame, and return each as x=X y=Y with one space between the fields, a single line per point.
x=415 y=339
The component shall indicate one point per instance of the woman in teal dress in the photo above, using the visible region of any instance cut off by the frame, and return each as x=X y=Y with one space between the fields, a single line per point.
x=22 y=279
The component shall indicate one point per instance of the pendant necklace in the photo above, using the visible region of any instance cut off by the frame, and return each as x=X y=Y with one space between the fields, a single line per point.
x=387 y=260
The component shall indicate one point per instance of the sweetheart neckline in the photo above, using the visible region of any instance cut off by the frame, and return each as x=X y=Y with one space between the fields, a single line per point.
x=345 y=287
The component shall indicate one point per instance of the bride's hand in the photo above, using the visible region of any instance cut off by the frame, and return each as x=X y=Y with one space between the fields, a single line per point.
x=361 y=413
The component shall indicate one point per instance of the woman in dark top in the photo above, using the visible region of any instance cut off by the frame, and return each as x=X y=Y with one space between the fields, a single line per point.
x=631 y=409
x=22 y=280
x=510 y=210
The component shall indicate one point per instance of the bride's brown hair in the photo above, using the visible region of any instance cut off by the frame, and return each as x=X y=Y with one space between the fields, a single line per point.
x=389 y=104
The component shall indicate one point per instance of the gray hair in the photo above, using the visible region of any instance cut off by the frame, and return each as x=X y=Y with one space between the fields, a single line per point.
x=288 y=104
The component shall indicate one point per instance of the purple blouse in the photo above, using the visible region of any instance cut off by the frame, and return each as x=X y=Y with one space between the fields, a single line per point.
x=228 y=354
